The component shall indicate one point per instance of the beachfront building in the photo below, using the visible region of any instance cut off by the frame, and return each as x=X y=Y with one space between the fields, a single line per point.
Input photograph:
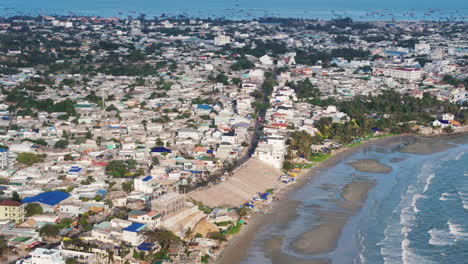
x=133 y=234
x=152 y=219
x=168 y=203
x=271 y=151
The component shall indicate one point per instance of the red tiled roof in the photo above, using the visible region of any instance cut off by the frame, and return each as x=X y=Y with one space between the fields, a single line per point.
x=280 y=125
x=10 y=203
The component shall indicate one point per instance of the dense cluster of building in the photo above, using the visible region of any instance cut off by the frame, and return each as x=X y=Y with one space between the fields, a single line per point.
x=104 y=137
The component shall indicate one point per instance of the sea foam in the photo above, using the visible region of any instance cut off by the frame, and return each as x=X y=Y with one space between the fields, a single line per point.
x=440 y=237
x=428 y=182
x=457 y=231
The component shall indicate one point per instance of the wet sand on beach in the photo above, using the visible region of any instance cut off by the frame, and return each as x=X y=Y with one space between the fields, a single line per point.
x=285 y=210
x=425 y=147
x=325 y=232
x=370 y=165
x=323 y=237
x=396 y=160
x=273 y=251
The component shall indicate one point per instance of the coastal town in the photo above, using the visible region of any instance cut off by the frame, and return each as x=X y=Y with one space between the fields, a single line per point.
x=140 y=140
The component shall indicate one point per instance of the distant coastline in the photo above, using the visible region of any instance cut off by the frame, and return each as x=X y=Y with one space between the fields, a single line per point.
x=242 y=10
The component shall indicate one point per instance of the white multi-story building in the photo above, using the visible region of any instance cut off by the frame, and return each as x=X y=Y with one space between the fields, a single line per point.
x=133 y=234
x=409 y=74
x=3 y=158
x=222 y=40
x=271 y=151
x=145 y=184
x=46 y=256
x=422 y=48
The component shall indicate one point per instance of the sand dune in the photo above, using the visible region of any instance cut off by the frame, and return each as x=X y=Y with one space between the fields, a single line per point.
x=255 y=176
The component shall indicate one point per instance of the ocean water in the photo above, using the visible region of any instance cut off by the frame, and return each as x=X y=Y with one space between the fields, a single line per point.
x=415 y=214
x=246 y=9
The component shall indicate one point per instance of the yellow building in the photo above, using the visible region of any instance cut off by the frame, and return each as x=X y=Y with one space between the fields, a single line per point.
x=12 y=210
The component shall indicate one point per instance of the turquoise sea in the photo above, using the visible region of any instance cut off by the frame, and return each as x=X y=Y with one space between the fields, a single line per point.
x=415 y=214
x=246 y=9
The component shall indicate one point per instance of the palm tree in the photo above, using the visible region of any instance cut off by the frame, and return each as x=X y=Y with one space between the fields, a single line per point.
x=188 y=232
x=110 y=256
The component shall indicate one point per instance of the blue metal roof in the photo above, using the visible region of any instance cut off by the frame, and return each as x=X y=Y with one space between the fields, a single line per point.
x=134 y=227
x=161 y=150
x=147 y=178
x=194 y=171
x=3 y=150
x=204 y=106
x=443 y=121
x=74 y=169
x=145 y=246
x=50 y=198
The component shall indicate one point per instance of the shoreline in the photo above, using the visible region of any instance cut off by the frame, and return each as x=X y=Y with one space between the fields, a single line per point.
x=237 y=247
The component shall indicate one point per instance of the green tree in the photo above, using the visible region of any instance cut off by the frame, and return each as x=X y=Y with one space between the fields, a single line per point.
x=29 y=158
x=49 y=231
x=242 y=211
x=117 y=168
x=221 y=78
x=70 y=261
x=65 y=135
x=205 y=258
x=217 y=236
x=68 y=157
x=236 y=81
x=15 y=197
x=33 y=209
x=89 y=135
x=61 y=144
x=288 y=165
x=163 y=237
x=127 y=186
x=155 y=161
x=65 y=222
x=448 y=129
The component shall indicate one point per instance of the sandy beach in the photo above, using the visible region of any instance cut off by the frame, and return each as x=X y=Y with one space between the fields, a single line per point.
x=353 y=194
x=252 y=177
x=424 y=147
x=285 y=210
x=332 y=222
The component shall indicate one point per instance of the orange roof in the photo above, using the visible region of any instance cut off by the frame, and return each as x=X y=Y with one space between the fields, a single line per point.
x=455 y=123
x=96 y=209
x=152 y=213
x=199 y=149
